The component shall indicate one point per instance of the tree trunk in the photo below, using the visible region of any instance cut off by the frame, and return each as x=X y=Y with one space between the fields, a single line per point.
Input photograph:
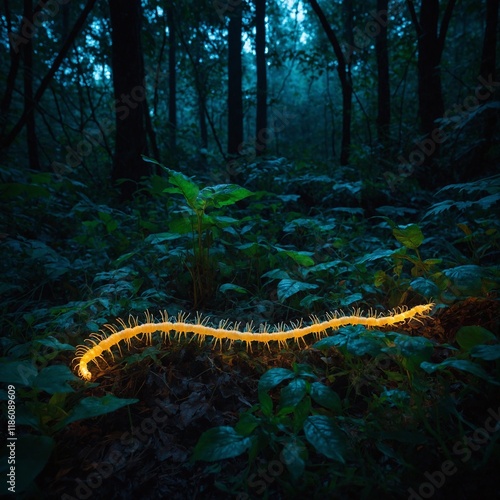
x=383 y=87
x=490 y=40
x=202 y=105
x=344 y=73
x=129 y=93
x=488 y=73
x=261 y=133
x=430 y=44
x=53 y=68
x=172 y=78
x=430 y=50
x=16 y=42
x=29 y=104
x=235 y=76
x=430 y=93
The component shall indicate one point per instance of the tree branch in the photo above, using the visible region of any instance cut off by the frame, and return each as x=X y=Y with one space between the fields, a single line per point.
x=50 y=74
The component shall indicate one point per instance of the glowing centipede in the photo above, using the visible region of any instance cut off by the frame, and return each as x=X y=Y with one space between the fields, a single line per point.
x=102 y=342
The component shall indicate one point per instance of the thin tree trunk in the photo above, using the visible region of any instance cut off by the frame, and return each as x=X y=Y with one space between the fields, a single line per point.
x=130 y=95
x=488 y=57
x=488 y=71
x=260 y=51
x=15 y=57
x=29 y=105
x=235 y=76
x=172 y=78
x=50 y=74
x=430 y=50
x=345 y=82
x=151 y=132
x=430 y=93
x=202 y=104
x=383 y=87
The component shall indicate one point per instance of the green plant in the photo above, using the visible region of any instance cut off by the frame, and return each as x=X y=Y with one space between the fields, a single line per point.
x=45 y=402
x=303 y=421
x=200 y=218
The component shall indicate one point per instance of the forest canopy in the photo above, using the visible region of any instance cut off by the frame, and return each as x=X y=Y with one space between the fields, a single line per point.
x=397 y=89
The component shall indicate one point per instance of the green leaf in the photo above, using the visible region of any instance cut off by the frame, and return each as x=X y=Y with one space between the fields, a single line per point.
x=350 y=299
x=301 y=258
x=93 y=407
x=18 y=372
x=300 y=412
x=486 y=352
x=183 y=185
x=303 y=370
x=274 y=377
x=293 y=455
x=410 y=235
x=289 y=287
x=221 y=195
x=425 y=287
x=53 y=379
x=158 y=238
x=414 y=349
x=28 y=191
x=293 y=393
x=326 y=397
x=247 y=424
x=470 y=336
x=53 y=343
x=355 y=339
x=376 y=255
x=459 y=364
x=226 y=287
x=220 y=443
x=326 y=437
x=328 y=342
x=466 y=279
x=266 y=403
x=183 y=224
x=276 y=274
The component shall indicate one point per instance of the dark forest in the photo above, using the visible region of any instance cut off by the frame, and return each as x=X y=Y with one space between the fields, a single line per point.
x=250 y=249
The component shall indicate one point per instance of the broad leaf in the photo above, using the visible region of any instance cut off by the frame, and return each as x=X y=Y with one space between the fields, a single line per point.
x=220 y=443
x=425 y=287
x=289 y=287
x=183 y=185
x=94 y=407
x=53 y=343
x=301 y=258
x=54 y=379
x=470 y=336
x=326 y=397
x=459 y=364
x=18 y=372
x=326 y=437
x=410 y=236
x=292 y=394
x=221 y=195
x=274 y=377
x=466 y=279
x=486 y=352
